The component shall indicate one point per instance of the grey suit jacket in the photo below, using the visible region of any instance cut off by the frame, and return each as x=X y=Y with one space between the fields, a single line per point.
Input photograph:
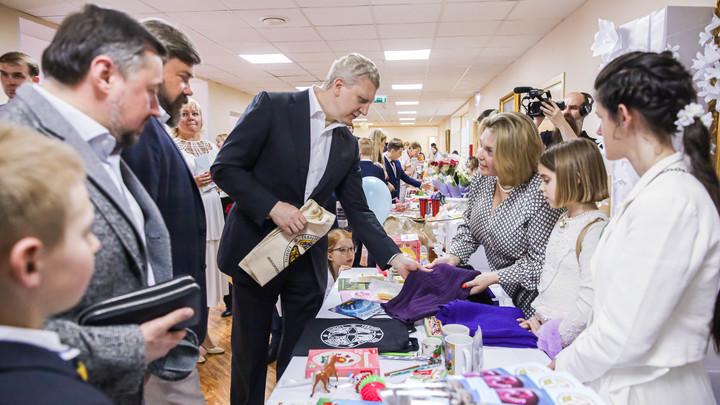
x=114 y=356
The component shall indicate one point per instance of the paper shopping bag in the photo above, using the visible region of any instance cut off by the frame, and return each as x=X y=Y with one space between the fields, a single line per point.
x=278 y=249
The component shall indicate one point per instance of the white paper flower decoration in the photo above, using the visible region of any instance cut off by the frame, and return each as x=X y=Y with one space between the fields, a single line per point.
x=675 y=50
x=607 y=40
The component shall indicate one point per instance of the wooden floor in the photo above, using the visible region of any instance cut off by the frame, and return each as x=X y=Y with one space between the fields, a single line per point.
x=215 y=372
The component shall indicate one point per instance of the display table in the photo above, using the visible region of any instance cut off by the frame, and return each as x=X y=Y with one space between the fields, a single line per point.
x=293 y=388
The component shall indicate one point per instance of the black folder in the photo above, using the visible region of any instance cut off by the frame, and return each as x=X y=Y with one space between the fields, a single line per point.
x=146 y=304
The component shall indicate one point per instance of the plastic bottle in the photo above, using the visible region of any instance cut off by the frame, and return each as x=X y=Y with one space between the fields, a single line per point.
x=477 y=363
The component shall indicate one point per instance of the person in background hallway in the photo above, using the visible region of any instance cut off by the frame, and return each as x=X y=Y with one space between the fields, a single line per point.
x=395 y=172
x=16 y=69
x=226 y=202
x=199 y=153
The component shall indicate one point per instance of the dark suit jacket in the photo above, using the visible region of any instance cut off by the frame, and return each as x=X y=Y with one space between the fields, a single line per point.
x=33 y=375
x=368 y=168
x=401 y=175
x=159 y=165
x=113 y=355
x=265 y=160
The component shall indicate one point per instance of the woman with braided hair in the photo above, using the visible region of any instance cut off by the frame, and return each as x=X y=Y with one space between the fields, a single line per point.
x=657 y=265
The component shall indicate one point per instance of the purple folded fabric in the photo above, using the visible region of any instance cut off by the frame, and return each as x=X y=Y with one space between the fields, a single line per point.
x=423 y=293
x=499 y=324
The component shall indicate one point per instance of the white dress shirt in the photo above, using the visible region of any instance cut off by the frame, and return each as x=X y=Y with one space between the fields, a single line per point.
x=103 y=144
x=42 y=338
x=320 y=142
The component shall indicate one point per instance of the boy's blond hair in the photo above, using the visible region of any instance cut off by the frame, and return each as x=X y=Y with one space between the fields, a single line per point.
x=366 y=147
x=37 y=176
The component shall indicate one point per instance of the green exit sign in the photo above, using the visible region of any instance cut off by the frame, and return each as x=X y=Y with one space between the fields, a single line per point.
x=380 y=99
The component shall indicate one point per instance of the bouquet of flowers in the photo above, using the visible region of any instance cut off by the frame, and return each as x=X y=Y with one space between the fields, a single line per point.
x=447 y=166
x=464 y=182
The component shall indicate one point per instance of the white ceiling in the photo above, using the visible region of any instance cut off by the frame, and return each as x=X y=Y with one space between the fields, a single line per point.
x=470 y=41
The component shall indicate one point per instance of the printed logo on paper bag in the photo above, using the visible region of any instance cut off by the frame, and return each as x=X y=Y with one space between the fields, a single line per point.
x=297 y=246
x=350 y=335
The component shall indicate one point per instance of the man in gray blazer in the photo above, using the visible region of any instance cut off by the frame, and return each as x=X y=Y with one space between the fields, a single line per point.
x=103 y=71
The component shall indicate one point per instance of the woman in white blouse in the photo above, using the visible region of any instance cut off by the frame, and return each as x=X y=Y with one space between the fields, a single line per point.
x=199 y=154
x=657 y=263
x=507 y=214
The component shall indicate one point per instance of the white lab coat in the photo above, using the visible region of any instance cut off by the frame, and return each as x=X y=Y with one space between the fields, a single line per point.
x=657 y=269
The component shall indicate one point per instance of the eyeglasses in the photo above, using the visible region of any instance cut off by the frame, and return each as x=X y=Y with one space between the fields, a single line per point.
x=344 y=250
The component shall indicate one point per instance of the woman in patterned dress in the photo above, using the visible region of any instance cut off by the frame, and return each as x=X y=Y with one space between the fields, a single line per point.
x=507 y=213
x=199 y=154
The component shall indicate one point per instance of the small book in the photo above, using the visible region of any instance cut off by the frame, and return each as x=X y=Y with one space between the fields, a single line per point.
x=144 y=305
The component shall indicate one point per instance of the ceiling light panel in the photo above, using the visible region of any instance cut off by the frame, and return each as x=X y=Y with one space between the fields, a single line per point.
x=407 y=86
x=266 y=58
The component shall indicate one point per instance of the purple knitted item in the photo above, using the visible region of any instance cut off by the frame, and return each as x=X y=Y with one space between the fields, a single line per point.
x=549 y=339
x=423 y=293
x=499 y=324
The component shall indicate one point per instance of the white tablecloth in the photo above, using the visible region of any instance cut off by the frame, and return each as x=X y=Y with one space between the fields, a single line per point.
x=293 y=388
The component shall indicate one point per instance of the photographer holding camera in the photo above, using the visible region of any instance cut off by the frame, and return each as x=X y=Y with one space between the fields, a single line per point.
x=576 y=107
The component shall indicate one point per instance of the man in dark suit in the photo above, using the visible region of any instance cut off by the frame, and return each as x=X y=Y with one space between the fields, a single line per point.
x=309 y=131
x=97 y=102
x=394 y=169
x=161 y=168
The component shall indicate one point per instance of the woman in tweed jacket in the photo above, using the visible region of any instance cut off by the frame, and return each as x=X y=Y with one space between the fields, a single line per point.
x=507 y=214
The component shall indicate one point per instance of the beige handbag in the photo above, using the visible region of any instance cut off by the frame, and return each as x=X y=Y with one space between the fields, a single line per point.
x=278 y=249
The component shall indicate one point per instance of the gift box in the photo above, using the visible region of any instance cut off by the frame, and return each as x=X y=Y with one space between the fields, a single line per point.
x=348 y=361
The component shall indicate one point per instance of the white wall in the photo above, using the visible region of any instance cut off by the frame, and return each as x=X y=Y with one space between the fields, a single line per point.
x=567 y=49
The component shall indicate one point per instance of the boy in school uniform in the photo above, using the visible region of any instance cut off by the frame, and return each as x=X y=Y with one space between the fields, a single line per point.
x=47 y=256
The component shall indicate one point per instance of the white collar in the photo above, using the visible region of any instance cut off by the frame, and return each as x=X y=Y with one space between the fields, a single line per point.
x=42 y=338
x=164 y=116
x=316 y=111
x=366 y=160
x=91 y=131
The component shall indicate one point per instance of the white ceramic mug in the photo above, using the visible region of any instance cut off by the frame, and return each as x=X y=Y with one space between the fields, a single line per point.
x=431 y=347
x=455 y=329
x=458 y=354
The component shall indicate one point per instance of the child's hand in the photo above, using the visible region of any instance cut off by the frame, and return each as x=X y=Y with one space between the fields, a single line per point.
x=532 y=324
x=343 y=268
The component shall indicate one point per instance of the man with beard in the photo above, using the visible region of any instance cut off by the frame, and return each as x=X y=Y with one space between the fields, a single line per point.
x=161 y=168
x=569 y=121
x=103 y=71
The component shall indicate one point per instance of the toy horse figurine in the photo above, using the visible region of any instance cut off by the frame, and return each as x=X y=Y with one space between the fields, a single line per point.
x=324 y=375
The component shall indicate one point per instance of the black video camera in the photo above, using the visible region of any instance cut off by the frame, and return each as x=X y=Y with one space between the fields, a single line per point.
x=532 y=101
